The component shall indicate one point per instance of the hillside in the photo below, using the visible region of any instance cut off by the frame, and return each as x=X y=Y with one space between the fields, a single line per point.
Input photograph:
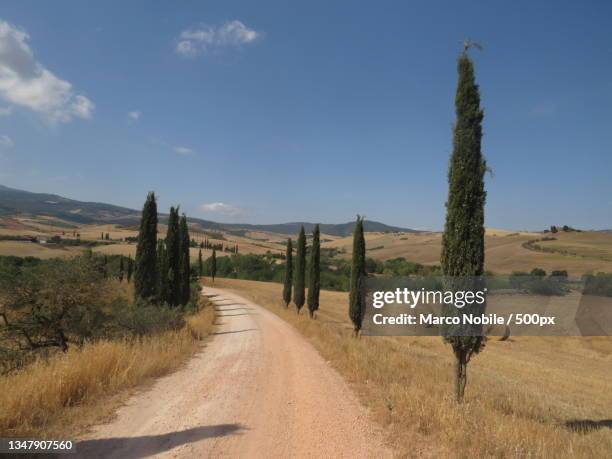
x=18 y=202
x=505 y=252
x=15 y=202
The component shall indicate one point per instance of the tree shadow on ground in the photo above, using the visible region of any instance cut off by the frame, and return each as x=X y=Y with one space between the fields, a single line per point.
x=234 y=331
x=588 y=425
x=148 y=445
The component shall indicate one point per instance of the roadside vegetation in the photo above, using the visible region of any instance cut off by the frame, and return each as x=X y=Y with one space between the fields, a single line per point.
x=527 y=397
x=406 y=380
x=74 y=333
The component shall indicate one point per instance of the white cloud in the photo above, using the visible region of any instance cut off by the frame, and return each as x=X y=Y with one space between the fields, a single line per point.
x=6 y=111
x=6 y=141
x=135 y=115
x=25 y=81
x=183 y=150
x=221 y=208
x=196 y=41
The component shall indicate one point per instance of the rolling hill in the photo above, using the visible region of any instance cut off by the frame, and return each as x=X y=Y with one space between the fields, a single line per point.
x=18 y=202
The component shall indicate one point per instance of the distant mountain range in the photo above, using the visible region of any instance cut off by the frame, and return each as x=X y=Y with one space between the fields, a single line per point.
x=19 y=202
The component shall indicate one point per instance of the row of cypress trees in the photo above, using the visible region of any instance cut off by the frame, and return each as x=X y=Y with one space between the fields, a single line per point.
x=462 y=253
x=297 y=280
x=126 y=268
x=162 y=268
x=212 y=265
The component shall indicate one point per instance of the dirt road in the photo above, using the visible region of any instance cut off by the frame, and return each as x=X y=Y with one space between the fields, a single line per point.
x=258 y=389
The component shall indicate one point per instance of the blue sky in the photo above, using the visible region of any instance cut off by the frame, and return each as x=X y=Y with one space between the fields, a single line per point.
x=285 y=111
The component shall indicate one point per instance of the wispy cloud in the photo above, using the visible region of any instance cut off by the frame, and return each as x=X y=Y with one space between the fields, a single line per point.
x=6 y=111
x=222 y=209
x=135 y=115
x=6 y=141
x=183 y=151
x=193 y=42
x=26 y=82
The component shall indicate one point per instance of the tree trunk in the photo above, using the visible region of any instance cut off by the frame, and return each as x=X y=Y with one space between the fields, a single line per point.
x=460 y=375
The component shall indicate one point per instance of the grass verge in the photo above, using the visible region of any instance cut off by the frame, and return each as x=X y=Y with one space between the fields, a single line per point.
x=65 y=394
x=526 y=397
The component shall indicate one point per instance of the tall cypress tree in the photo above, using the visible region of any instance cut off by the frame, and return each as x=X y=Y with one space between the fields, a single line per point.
x=314 y=279
x=358 y=272
x=174 y=258
x=184 y=266
x=145 y=277
x=462 y=257
x=200 y=264
x=162 y=270
x=299 y=289
x=213 y=265
x=288 y=274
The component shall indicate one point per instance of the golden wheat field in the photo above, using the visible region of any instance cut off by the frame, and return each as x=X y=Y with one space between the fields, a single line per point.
x=526 y=397
x=258 y=243
x=577 y=252
x=506 y=251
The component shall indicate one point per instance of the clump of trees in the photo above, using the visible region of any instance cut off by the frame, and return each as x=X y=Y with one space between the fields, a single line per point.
x=299 y=278
x=599 y=284
x=536 y=282
x=564 y=228
x=206 y=244
x=162 y=268
x=48 y=306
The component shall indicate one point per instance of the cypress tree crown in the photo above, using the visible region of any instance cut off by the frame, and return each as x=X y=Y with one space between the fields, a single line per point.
x=463 y=239
x=145 y=266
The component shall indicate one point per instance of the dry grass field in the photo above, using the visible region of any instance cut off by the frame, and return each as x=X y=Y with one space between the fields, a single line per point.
x=504 y=251
x=29 y=249
x=259 y=243
x=576 y=252
x=526 y=397
x=584 y=244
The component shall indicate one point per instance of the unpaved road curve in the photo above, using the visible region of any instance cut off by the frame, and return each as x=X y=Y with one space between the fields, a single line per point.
x=258 y=389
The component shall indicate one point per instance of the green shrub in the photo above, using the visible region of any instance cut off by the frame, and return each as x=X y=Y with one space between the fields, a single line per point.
x=600 y=284
x=142 y=318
